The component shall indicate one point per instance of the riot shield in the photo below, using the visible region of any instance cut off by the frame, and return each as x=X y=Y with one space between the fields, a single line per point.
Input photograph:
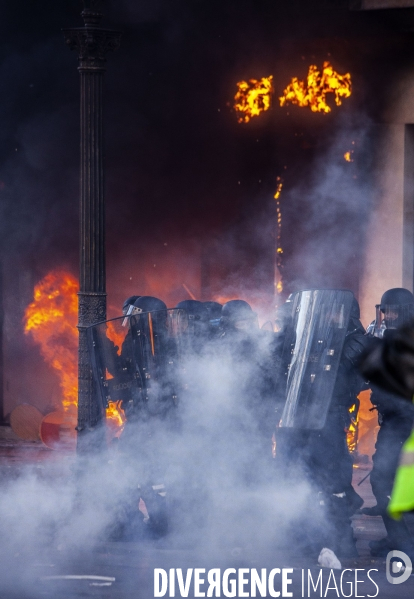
x=311 y=355
x=135 y=360
x=194 y=332
x=157 y=350
x=114 y=365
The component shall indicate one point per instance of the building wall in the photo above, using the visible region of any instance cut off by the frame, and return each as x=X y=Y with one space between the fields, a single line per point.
x=383 y=266
x=389 y=259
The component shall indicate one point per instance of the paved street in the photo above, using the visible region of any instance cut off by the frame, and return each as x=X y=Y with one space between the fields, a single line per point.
x=125 y=570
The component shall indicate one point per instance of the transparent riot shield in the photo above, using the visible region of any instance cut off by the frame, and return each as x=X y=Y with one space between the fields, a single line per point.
x=194 y=332
x=311 y=355
x=157 y=339
x=114 y=365
x=135 y=360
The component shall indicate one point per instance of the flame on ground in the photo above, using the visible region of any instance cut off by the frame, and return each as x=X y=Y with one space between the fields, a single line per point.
x=352 y=430
x=115 y=417
x=318 y=84
x=51 y=320
x=253 y=98
x=348 y=156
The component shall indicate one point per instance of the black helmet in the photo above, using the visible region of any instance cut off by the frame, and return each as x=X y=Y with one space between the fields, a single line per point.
x=152 y=325
x=147 y=303
x=397 y=306
x=237 y=311
x=214 y=309
x=197 y=317
x=396 y=297
x=355 y=310
x=354 y=323
x=283 y=316
x=196 y=310
x=129 y=302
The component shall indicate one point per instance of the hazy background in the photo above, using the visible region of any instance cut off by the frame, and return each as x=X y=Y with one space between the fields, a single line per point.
x=189 y=190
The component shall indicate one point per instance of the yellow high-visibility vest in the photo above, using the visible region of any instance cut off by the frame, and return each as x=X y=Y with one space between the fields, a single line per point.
x=402 y=496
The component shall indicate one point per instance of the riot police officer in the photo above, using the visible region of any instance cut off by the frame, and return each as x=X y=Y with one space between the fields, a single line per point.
x=324 y=341
x=390 y=365
x=396 y=308
x=252 y=351
x=196 y=324
x=332 y=461
x=214 y=312
x=237 y=315
x=155 y=355
x=141 y=375
x=227 y=424
x=128 y=303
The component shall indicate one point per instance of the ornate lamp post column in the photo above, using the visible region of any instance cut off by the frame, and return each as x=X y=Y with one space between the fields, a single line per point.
x=92 y=43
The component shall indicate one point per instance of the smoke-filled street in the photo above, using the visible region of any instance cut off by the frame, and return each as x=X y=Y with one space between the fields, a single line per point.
x=206 y=299
x=55 y=549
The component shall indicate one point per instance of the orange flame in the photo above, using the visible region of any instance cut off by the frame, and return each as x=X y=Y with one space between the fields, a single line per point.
x=115 y=417
x=318 y=85
x=352 y=430
x=278 y=283
x=51 y=320
x=253 y=97
x=116 y=336
x=223 y=299
x=348 y=156
x=278 y=188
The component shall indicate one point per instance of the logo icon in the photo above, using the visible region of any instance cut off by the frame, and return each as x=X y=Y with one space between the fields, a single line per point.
x=398 y=567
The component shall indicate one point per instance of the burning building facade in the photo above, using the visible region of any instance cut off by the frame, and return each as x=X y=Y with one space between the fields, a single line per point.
x=191 y=200
x=247 y=156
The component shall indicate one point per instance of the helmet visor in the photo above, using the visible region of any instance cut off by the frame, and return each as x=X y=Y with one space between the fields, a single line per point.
x=395 y=315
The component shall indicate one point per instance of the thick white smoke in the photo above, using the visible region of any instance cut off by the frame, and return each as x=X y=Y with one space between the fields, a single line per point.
x=224 y=497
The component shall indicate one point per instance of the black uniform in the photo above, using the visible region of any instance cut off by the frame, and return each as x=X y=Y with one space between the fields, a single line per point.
x=255 y=352
x=254 y=422
x=214 y=311
x=330 y=462
x=395 y=428
x=321 y=455
x=140 y=372
x=238 y=424
x=396 y=307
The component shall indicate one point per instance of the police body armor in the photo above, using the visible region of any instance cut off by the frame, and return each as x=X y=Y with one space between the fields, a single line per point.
x=314 y=340
x=135 y=360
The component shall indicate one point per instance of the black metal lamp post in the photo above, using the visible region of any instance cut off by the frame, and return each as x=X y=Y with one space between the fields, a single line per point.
x=92 y=42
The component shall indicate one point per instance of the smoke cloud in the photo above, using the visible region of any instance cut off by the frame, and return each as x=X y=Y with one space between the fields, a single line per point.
x=209 y=460
x=336 y=199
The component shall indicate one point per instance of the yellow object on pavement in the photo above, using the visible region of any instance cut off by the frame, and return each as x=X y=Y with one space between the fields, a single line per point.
x=402 y=496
